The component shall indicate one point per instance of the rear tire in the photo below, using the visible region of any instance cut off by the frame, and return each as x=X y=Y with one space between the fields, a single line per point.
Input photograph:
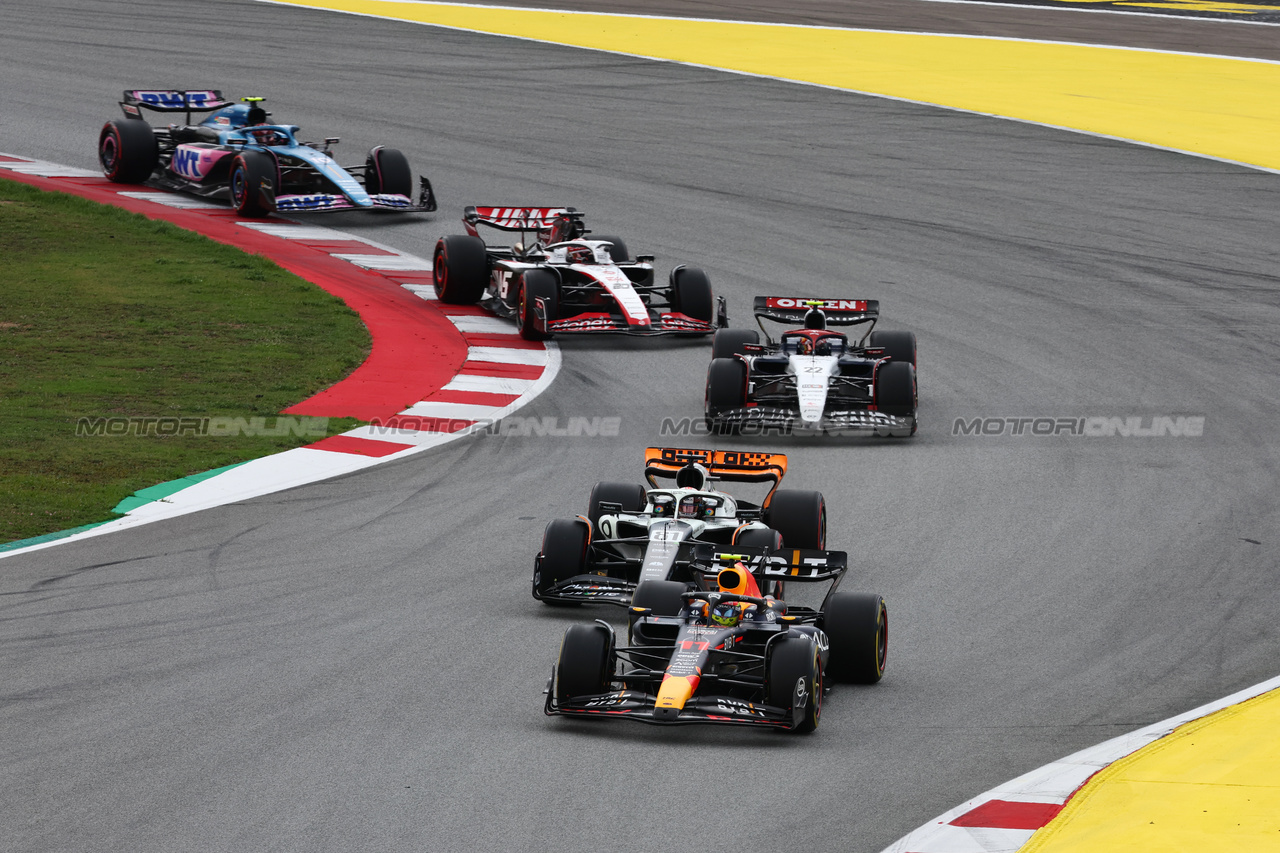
x=387 y=171
x=899 y=346
x=586 y=658
x=633 y=498
x=564 y=553
x=793 y=659
x=128 y=151
x=726 y=343
x=618 y=251
x=248 y=172
x=801 y=518
x=726 y=390
x=460 y=269
x=663 y=598
x=691 y=294
x=857 y=623
x=536 y=284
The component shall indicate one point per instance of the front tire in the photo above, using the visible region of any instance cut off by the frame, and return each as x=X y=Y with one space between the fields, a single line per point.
x=128 y=151
x=460 y=269
x=857 y=624
x=795 y=669
x=895 y=392
x=564 y=553
x=801 y=518
x=387 y=171
x=691 y=294
x=586 y=662
x=249 y=171
x=536 y=284
x=726 y=391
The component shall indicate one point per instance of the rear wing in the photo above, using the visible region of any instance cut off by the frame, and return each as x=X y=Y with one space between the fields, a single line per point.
x=792 y=564
x=740 y=466
x=551 y=224
x=172 y=101
x=839 y=312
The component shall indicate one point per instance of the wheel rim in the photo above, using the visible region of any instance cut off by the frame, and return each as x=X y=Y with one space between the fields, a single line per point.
x=440 y=271
x=238 y=190
x=110 y=152
x=882 y=640
x=523 y=303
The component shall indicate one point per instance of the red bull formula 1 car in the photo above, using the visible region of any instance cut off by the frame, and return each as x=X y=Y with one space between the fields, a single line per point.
x=233 y=153
x=813 y=380
x=728 y=654
x=556 y=280
x=631 y=534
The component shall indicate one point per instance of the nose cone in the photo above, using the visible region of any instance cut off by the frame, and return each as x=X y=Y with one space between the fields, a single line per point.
x=672 y=696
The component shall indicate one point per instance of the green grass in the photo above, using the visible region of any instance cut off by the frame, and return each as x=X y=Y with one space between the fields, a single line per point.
x=104 y=314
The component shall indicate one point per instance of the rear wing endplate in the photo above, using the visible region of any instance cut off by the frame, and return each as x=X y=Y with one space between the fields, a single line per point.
x=793 y=564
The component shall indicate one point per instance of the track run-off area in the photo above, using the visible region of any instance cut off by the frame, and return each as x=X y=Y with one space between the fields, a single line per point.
x=357 y=664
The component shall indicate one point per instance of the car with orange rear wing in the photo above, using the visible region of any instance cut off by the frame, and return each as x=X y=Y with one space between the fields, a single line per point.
x=633 y=534
x=813 y=379
x=725 y=651
x=559 y=278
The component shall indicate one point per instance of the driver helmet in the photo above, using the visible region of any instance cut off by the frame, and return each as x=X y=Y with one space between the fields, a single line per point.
x=581 y=255
x=694 y=506
x=727 y=615
x=804 y=346
x=268 y=137
x=815 y=319
x=693 y=476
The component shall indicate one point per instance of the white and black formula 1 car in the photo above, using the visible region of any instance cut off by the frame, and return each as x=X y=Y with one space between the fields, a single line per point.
x=233 y=153
x=728 y=652
x=813 y=380
x=556 y=280
x=631 y=534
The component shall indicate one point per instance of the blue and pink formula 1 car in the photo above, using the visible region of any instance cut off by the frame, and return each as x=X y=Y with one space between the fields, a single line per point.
x=234 y=153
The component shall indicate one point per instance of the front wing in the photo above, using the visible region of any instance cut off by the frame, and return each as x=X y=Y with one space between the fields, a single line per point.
x=786 y=420
x=640 y=706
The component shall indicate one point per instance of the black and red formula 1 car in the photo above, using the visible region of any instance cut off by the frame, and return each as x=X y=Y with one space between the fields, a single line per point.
x=556 y=280
x=729 y=655
x=813 y=380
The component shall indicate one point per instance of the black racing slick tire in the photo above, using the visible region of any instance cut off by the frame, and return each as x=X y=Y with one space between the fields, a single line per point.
x=795 y=681
x=586 y=662
x=564 y=553
x=618 y=251
x=534 y=285
x=726 y=390
x=631 y=496
x=128 y=151
x=387 y=171
x=899 y=346
x=895 y=391
x=691 y=294
x=857 y=624
x=801 y=518
x=460 y=269
x=726 y=343
x=759 y=537
x=250 y=171
x=664 y=598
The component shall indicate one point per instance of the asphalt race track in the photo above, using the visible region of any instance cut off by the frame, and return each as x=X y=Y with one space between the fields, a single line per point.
x=358 y=665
